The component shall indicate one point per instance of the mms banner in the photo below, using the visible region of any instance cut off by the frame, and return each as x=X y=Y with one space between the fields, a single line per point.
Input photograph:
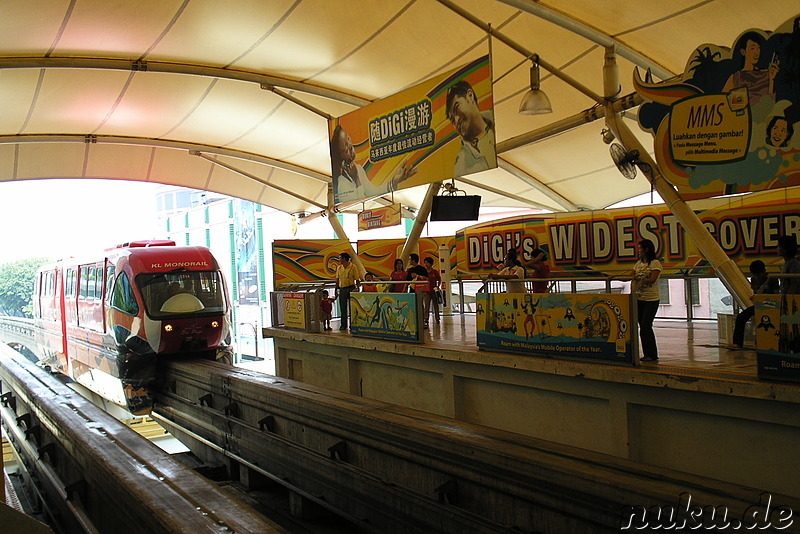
x=728 y=124
x=439 y=129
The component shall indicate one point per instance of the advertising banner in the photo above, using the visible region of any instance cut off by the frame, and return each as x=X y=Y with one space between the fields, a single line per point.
x=246 y=251
x=727 y=125
x=379 y=217
x=393 y=316
x=598 y=242
x=590 y=326
x=777 y=325
x=438 y=129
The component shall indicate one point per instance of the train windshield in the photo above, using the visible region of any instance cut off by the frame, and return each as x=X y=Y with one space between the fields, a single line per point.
x=182 y=293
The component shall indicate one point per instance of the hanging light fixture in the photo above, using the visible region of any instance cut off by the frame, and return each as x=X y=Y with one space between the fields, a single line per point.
x=535 y=102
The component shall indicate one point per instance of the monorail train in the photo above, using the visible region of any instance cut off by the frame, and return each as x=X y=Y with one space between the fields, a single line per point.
x=105 y=321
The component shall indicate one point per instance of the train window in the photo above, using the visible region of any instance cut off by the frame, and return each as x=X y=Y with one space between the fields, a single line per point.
x=91 y=281
x=123 y=298
x=69 y=283
x=83 y=280
x=46 y=289
x=109 y=280
x=168 y=294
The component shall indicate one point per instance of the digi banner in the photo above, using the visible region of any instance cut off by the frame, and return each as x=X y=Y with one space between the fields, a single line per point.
x=296 y=260
x=393 y=316
x=728 y=124
x=590 y=326
x=379 y=217
x=777 y=325
x=604 y=242
x=439 y=129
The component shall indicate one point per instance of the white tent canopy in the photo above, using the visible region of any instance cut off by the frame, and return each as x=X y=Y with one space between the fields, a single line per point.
x=233 y=96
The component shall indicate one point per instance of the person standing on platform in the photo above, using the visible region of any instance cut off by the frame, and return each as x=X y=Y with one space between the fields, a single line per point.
x=326 y=310
x=347 y=279
x=645 y=287
x=512 y=272
x=429 y=296
x=416 y=272
x=399 y=274
x=787 y=248
x=760 y=284
x=541 y=269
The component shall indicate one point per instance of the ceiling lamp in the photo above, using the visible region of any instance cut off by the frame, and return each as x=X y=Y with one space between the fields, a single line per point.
x=535 y=102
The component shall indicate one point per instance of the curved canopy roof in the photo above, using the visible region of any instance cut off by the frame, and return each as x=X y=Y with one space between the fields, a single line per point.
x=233 y=96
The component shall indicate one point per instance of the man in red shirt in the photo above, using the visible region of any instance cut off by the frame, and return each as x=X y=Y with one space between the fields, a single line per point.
x=540 y=270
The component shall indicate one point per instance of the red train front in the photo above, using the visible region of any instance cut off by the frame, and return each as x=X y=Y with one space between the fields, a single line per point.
x=105 y=321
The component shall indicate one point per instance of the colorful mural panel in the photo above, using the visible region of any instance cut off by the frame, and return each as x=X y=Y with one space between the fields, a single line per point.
x=393 y=316
x=589 y=326
x=777 y=325
x=378 y=255
x=297 y=260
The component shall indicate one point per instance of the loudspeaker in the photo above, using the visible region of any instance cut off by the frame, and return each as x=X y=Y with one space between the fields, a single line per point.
x=455 y=208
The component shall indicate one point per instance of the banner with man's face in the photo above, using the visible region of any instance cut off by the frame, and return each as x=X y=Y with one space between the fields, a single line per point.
x=439 y=129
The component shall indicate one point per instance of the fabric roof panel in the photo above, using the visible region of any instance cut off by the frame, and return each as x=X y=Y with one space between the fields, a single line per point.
x=24 y=30
x=48 y=160
x=17 y=88
x=94 y=26
x=74 y=102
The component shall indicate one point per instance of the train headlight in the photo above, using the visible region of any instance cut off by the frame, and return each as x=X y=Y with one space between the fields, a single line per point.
x=214 y=324
x=167 y=328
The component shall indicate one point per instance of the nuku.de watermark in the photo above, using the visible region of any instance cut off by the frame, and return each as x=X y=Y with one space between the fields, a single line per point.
x=686 y=515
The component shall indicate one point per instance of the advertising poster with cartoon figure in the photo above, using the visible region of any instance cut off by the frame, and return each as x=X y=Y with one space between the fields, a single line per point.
x=777 y=325
x=728 y=124
x=595 y=327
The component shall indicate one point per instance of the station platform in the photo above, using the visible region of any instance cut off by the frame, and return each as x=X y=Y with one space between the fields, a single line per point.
x=700 y=409
x=686 y=348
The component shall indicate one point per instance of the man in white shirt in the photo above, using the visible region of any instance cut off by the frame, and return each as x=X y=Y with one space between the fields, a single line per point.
x=476 y=129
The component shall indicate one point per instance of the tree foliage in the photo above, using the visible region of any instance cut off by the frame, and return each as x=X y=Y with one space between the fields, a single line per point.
x=16 y=286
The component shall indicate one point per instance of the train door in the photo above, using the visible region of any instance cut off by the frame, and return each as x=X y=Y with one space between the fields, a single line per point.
x=90 y=308
x=71 y=296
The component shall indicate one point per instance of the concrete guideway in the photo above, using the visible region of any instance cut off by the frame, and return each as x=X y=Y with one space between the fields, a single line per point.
x=395 y=469
x=98 y=475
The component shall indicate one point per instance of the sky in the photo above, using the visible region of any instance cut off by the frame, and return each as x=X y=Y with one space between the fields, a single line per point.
x=61 y=218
